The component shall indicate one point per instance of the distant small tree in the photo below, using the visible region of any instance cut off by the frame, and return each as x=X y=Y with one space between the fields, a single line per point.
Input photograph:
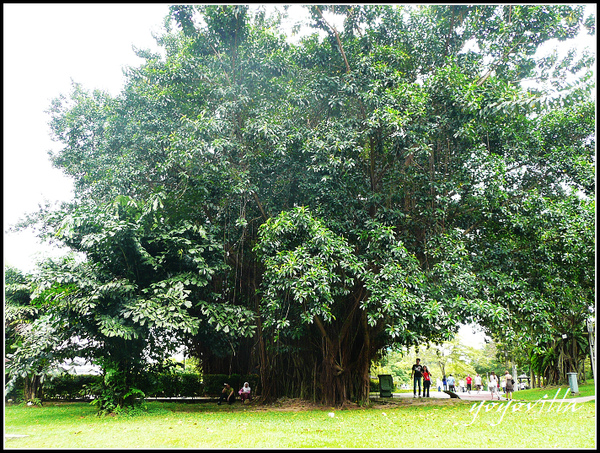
x=442 y=359
x=393 y=362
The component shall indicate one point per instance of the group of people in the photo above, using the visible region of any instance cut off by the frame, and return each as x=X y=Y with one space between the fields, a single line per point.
x=421 y=372
x=464 y=385
x=228 y=394
x=417 y=373
x=507 y=384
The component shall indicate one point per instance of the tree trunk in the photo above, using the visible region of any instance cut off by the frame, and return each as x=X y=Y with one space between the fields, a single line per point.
x=363 y=387
x=32 y=388
x=330 y=384
x=364 y=365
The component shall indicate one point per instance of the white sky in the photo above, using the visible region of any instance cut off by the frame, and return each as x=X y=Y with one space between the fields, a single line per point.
x=45 y=46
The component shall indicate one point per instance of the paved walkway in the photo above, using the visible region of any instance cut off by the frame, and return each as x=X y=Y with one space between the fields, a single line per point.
x=485 y=396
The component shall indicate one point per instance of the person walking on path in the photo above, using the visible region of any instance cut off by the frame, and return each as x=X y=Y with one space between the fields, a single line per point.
x=493 y=385
x=439 y=384
x=451 y=382
x=445 y=381
x=426 y=381
x=509 y=385
x=469 y=381
x=478 y=383
x=416 y=374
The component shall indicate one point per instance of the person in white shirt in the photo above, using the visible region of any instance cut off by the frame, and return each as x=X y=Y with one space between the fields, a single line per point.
x=478 y=383
x=493 y=385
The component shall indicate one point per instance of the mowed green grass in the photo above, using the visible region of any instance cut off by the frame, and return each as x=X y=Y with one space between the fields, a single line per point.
x=404 y=423
x=557 y=392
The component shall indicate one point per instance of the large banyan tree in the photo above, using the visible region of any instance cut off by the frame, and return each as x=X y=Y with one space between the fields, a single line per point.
x=359 y=189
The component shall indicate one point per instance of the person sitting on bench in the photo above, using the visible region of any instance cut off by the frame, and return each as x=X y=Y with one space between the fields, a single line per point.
x=227 y=394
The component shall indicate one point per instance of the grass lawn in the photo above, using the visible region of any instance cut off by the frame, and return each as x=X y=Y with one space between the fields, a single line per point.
x=587 y=389
x=395 y=423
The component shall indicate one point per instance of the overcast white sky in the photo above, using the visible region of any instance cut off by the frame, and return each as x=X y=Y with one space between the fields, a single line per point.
x=45 y=46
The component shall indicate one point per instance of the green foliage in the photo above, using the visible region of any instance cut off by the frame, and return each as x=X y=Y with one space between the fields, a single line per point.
x=172 y=385
x=116 y=390
x=390 y=364
x=20 y=321
x=443 y=359
x=143 y=280
x=552 y=244
x=15 y=392
x=492 y=358
x=18 y=311
x=68 y=386
x=36 y=402
x=44 y=344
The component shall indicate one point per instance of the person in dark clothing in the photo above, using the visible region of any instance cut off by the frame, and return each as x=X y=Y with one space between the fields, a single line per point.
x=227 y=394
x=416 y=374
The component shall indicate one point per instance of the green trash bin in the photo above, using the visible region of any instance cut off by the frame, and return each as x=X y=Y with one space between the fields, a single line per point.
x=386 y=385
x=573 y=383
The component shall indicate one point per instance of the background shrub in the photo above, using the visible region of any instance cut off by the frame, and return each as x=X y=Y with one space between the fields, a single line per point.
x=69 y=386
x=158 y=385
x=16 y=392
x=375 y=385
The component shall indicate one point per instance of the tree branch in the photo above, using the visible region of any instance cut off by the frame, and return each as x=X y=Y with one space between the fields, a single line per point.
x=260 y=206
x=337 y=37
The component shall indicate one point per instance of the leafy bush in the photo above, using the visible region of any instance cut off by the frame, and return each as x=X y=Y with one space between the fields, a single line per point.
x=374 y=385
x=213 y=383
x=165 y=385
x=70 y=386
x=14 y=393
x=190 y=384
x=176 y=384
